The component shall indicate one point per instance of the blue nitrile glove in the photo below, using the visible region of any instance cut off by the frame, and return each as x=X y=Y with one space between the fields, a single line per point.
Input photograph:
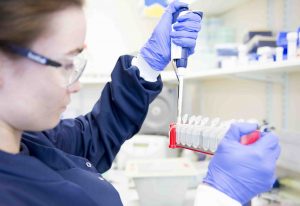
x=157 y=51
x=244 y=171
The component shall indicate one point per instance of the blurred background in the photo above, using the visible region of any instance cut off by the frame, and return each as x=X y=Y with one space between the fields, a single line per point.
x=246 y=66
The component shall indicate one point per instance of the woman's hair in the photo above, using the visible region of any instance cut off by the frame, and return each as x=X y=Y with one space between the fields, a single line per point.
x=22 y=21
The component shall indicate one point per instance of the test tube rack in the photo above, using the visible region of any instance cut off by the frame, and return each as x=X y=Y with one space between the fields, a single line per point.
x=203 y=135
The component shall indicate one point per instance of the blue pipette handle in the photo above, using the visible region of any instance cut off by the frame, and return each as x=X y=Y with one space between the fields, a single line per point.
x=182 y=61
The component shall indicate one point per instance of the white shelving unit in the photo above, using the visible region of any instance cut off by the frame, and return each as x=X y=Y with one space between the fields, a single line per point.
x=255 y=68
x=214 y=73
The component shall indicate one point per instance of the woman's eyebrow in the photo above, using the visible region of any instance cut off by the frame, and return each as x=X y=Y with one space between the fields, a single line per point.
x=76 y=51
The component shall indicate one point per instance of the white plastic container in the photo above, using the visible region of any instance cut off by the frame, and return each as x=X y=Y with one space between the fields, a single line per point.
x=265 y=54
x=161 y=182
x=292 y=44
x=279 y=54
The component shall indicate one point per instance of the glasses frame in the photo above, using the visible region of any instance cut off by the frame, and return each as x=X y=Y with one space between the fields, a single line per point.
x=33 y=56
x=41 y=59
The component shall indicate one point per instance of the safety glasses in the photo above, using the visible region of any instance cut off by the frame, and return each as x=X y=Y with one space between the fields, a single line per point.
x=72 y=68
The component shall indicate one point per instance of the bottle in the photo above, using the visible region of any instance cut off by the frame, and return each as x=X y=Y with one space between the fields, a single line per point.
x=292 y=38
x=279 y=54
x=265 y=54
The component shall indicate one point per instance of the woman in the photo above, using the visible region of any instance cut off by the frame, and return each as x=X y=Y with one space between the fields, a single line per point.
x=45 y=161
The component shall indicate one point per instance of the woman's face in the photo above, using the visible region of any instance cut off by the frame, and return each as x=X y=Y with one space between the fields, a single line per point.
x=33 y=96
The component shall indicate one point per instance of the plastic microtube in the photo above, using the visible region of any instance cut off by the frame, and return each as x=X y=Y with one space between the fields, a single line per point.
x=214 y=141
x=182 y=134
x=185 y=118
x=196 y=132
x=189 y=137
x=204 y=121
x=215 y=121
x=189 y=129
x=198 y=120
x=178 y=133
x=196 y=136
x=206 y=135
x=183 y=128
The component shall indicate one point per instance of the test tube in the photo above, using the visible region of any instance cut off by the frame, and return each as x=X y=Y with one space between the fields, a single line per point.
x=196 y=136
x=206 y=137
x=183 y=129
x=178 y=133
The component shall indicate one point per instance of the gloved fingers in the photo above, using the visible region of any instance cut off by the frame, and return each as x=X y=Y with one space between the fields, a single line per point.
x=190 y=17
x=184 y=34
x=237 y=130
x=246 y=128
x=187 y=26
x=275 y=152
x=268 y=140
x=175 y=6
x=184 y=42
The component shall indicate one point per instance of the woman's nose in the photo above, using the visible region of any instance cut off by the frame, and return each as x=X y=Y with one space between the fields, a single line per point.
x=74 y=88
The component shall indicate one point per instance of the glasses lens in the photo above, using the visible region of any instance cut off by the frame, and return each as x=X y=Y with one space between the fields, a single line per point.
x=79 y=64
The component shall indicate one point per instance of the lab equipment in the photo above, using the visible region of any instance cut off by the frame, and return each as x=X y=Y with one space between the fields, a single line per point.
x=243 y=172
x=161 y=112
x=161 y=182
x=250 y=34
x=227 y=55
x=180 y=55
x=292 y=38
x=144 y=147
x=260 y=41
x=202 y=134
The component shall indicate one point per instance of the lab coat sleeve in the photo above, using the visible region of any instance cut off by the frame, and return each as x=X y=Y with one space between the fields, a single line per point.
x=116 y=117
x=207 y=195
x=146 y=71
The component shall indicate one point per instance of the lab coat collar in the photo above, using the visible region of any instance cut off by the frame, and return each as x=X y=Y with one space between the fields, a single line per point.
x=25 y=166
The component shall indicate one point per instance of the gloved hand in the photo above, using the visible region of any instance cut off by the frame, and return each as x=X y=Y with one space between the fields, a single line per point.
x=157 y=51
x=244 y=171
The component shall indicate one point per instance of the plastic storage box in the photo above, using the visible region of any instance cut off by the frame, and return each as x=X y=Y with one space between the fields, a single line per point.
x=161 y=182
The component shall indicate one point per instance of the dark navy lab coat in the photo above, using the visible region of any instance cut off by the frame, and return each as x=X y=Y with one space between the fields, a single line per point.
x=63 y=166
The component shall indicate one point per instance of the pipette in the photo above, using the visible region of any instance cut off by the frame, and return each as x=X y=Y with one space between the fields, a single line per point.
x=180 y=59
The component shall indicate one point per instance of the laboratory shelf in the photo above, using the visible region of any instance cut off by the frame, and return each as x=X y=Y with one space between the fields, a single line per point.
x=210 y=8
x=216 y=73
x=252 y=69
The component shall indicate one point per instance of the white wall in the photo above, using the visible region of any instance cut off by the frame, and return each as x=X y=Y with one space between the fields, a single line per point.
x=115 y=27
